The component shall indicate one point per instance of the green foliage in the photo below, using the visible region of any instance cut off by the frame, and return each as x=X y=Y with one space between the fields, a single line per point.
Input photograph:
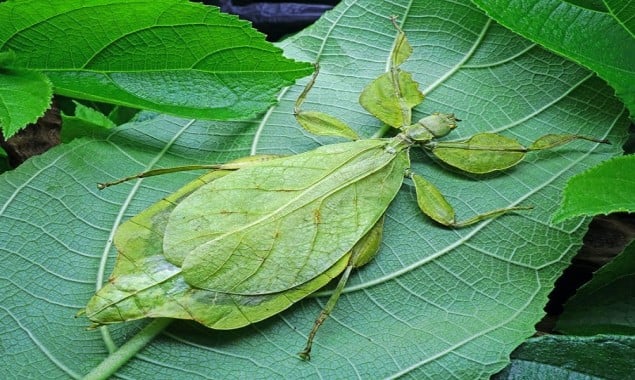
x=599 y=38
x=85 y=120
x=24 y=96
x=605 y=305
x=572 y=357
x=170 y=56
x=608 y=187
x=600 y=330
x=458 y=301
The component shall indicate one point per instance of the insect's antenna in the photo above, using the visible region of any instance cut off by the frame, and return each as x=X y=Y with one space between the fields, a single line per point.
x=155 y=172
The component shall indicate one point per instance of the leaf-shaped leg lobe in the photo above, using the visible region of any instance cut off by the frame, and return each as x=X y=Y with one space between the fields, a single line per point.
x=274 y=226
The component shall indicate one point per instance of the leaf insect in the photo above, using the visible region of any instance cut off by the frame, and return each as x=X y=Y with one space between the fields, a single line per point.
x=252 y=237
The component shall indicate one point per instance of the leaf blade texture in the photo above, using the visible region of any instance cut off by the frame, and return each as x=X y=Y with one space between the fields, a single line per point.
x=25 y=96
x=170 y=56
x=579 y=31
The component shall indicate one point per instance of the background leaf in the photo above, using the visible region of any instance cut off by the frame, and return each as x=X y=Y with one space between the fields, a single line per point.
x=435 y=303
x=572 y=357
x=600 y=39
x=606 y=188
x=85 y=119
x=623 y=11
x=24 y=97
x=606 y=304
x=171 y=56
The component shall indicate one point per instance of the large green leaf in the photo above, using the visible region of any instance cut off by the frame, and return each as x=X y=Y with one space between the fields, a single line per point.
x=435 y=303
x=171 y=56
x=24 y=97
x=596 y=36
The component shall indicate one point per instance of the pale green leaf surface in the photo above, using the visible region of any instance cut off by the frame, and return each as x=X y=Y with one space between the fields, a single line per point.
x=435 y=302
x=572 y=357
x=24 y=97
x=171 y=56
x=319 y=123
x=606 y=304
x=606 y=188
x=600 y=40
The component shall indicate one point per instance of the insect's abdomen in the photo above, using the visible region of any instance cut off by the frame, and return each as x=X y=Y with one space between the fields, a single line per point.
x=274 y=226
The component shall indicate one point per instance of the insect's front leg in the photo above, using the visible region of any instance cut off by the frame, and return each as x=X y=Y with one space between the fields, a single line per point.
x=434 y=205
x=232 y=165
x=317 y=122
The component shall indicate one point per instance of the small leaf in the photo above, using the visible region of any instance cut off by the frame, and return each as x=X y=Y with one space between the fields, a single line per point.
x=606 y=188
x=322 y=124
x=24 y=96
x=402 y=50
x=482 y=153
x=85 y=120
x=381 y=98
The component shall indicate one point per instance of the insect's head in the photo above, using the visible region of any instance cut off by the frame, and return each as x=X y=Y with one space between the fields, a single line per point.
x=430 y=127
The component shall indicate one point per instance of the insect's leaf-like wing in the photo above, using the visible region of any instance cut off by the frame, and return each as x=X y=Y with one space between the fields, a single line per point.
x=274 y=226
x=144 y=284
x=323 y=124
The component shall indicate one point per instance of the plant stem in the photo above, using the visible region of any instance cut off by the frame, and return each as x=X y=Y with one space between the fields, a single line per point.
x=120 y=357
